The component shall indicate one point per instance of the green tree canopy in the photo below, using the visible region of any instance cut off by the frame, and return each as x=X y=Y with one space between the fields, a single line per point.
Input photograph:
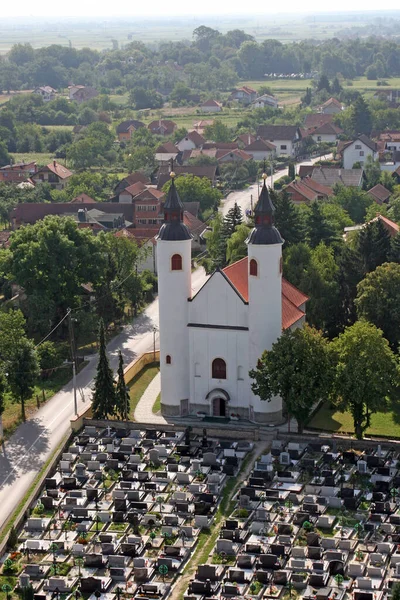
x=196 y=189
x=298 y=369
x=23 y=372
x=103 y=401
x=366 y=373
x=378 y=300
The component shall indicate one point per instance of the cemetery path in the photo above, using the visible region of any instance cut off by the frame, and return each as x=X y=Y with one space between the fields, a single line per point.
x=247 y=198
x=34 y=441
x=198 y=558
x=144 y=409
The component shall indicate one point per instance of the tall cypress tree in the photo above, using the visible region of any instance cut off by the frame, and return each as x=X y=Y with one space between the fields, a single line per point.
x=395 y=251
x=233 y=218
x=319 y=228
x=103 y=401
x=361 y=119
x=121 y=395
x=374 y=245
x=288 y=219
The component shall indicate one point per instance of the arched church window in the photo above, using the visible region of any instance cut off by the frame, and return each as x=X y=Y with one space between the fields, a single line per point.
x=218 y=368
x=168 y=359
x=253 y=267
x=176 y=262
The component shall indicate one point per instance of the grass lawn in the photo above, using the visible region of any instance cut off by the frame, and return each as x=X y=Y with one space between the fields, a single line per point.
x=139 y=383
x=157 y=404
x=327 y=419
x=50 y=386
x=42 y=158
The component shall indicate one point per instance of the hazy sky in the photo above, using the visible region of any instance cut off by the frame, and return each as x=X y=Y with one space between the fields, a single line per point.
x=157 y=8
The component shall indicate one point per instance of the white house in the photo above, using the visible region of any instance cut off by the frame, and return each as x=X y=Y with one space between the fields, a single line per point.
x=210 y=341
x=261 y=150
x=358 y=151
x=264 y=101
x=47 y=92
x=286 y=138
x=211 y=106
x=191 y=141
x=331 y=107
x=327 y=133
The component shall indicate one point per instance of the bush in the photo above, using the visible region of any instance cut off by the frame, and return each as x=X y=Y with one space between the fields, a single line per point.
x=12 y=539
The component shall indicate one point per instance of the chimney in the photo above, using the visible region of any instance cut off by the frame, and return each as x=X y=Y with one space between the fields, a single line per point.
x=54 y=164
x=81 y=215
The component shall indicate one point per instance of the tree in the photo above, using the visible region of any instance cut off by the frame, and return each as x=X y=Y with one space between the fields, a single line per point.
x=218 y=132
x=196 y=189
x=350 y=273
x=378 y=300
x=353 y=200
x=236 y=245
x=23 y=372
x=121 y=394
x=4 y=155
x=288 y=219
x=323 y=84
x=51 y=260
x=366 y=373
x=298 y=369
x=292 y=170
x=3 y=387
x=103 y=401
x=336 y=87
x=374 y=245
x=372 y=170
x=319 y=228
x=360 y=117
x=12 y=331
x=232 y=219
x=216 y=245
x=394 y=255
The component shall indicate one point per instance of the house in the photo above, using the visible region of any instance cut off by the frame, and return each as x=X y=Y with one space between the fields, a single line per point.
x=47 y=92
x=166 y=152
x=130 y=180
x=81 y=93
x=210 y=341
x=211 y=172
x=191 y=141
x=244 y=95
x=200 y=126
x=391 y=140
x=305 y=171
x=265 y=101
x=55 y=174
x=307 y=190
x=358 y=151
x=126 y=129
x=232 y=156
x=331 y=107
x=379 y=193
x=327 y=133
x=98 y=220
x=162 y=127
x=211 y=106
x=330 y=176
x=145 y=239
x=286 y=138
x=17 y=172
x=127 y=194
x=29 y=213
x=260 y=149
x=314 y=120
x=148 y=208
x=196 y=228
x=391 y=227
x=83 y=199
x=245 y=139
x=392 y=96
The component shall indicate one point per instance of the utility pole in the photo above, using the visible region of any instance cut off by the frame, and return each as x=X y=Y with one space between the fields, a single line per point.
x=73 y=359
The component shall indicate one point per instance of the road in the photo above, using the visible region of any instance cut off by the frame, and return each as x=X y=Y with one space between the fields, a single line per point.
x=23 y=455
x=247 y=198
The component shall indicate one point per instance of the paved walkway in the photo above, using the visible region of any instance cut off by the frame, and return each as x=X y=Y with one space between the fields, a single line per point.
x=144 y=409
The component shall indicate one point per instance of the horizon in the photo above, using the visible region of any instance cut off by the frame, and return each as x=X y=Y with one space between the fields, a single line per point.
x=210 y=10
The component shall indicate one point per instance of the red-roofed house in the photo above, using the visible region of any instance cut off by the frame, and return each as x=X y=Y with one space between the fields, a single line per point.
x=55 y=174
x=260 y=149
x=379 y=193
x=191 y=141
x=306 y=190
x=18 y=172
x=244 y=95
x=162 y=127
x=211 y=106
x=331 y=107
x=83 y=198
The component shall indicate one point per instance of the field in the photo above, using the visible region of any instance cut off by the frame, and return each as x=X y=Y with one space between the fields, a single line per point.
x=327 y=419
x=42 y=158
x=107 y=32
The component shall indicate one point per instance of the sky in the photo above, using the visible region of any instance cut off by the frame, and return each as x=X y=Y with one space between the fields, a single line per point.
x=102 y=8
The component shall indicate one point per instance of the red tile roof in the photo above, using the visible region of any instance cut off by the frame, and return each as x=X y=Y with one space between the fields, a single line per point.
x=57 y=169
x=379 y=193
x=391 y=227
x=211 y=103
x=316 y=120
x=134 y=189
x=83 y=198
x=292 y=298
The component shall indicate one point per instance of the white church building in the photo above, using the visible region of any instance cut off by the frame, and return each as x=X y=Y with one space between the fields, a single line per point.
x=210 y=341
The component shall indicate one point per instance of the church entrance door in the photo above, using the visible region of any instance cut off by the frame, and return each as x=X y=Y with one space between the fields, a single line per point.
x=219 y=407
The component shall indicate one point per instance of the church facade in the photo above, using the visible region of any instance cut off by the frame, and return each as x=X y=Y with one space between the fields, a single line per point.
x=209 y=342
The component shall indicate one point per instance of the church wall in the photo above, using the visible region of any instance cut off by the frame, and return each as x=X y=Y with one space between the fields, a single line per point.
x=217 y=303
x=232 y=346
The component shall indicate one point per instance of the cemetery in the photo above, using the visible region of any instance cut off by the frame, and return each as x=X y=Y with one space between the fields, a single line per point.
x=122 y=514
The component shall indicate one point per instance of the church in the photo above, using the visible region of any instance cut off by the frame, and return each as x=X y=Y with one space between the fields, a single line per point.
x=210 y=341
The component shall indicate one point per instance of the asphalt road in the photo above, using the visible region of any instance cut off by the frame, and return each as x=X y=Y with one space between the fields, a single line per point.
x=22 y=456
x=247 y=198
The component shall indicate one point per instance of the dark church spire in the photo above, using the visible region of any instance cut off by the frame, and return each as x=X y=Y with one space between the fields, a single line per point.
x=264 y=232
x=173 y=228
